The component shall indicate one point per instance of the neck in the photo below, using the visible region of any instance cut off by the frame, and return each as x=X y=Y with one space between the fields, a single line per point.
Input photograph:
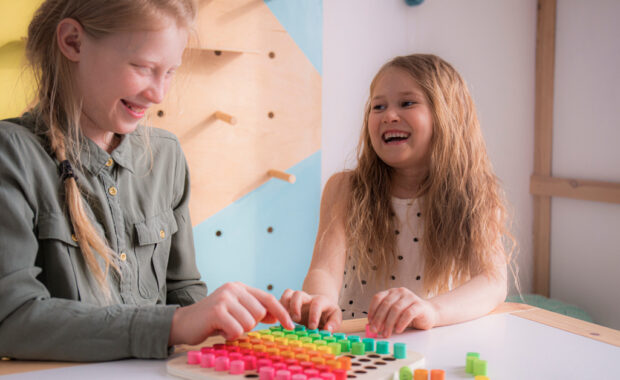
x=406 y=182
x=106 y=140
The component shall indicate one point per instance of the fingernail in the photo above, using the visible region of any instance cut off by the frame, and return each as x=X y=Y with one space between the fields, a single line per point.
x=328 y=327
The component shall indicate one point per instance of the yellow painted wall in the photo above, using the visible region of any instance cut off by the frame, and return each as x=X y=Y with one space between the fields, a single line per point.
x=15 y=81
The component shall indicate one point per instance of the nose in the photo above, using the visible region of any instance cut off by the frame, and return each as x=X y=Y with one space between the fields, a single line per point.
x=390 y=116
x=156 y=90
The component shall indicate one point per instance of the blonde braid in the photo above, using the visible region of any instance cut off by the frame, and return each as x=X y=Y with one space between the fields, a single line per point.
x=87 y=236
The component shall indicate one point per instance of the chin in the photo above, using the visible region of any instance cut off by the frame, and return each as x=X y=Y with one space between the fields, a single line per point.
x=126 y=128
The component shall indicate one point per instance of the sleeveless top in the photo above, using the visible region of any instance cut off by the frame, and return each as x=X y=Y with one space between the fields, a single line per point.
x=356 y=294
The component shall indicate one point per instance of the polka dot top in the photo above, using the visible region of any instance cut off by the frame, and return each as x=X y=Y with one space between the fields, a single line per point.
x=355 y=295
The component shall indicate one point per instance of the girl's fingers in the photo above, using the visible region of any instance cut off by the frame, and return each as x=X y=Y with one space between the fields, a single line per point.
x=374 y=304
x=298 y=298
x=317 y=306
x=334 y=319
x=382 y=310
x=247 y=312
x=394 y=314
x=229 y=327
x=406 y=318
x=285 y=299
x=273 y=307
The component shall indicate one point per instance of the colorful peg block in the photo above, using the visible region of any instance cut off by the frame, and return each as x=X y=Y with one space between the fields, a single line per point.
x=438 y=374
x=405 y=373
x=469 y=361
x=400 y=350
x=480 y=367
x=193 y=357
x=370 y=333
x=420 y=374
x=357 y=348
x=383 y=347
x=369 y=344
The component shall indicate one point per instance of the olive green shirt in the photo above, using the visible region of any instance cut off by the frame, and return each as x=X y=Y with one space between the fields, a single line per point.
x=50 y=307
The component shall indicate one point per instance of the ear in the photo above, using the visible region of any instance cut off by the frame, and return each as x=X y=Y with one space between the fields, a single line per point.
x=70 y=34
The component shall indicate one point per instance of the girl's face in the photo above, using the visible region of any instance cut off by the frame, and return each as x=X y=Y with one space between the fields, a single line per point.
x=400 y=123
x=121 y=75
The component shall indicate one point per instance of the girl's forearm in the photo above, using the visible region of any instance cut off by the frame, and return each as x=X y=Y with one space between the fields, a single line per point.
x=475 y=298
x=321 y=282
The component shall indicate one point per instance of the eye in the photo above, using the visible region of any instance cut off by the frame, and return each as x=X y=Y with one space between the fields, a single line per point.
x=407 y=103
x=140 y=68
x=378 y=107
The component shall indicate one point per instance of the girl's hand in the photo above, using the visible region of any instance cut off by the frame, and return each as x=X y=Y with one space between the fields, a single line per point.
x=229 y=311
x=313 y=311
x=395 y=309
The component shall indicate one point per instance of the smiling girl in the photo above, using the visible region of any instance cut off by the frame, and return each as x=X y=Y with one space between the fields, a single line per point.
x=412 y=237
x=97 y=258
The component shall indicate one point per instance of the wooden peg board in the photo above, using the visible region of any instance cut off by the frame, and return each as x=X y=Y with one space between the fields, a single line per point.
x=364 y=367
x=246 y=64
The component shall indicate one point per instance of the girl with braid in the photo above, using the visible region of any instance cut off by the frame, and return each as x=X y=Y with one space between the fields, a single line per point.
x=414 y=235
x=96 y=250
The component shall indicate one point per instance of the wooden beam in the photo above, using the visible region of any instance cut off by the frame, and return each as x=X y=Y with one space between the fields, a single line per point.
x=597 y=191
x=543 y=138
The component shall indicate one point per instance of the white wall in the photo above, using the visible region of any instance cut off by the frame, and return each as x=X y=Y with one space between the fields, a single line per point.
x=492 y=45
x=585 y=239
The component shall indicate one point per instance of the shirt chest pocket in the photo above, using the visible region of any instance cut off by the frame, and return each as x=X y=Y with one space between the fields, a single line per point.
x=152 y=249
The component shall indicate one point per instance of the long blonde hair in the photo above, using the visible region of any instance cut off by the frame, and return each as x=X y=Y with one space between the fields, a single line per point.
x=58 y=103
x=465 y=220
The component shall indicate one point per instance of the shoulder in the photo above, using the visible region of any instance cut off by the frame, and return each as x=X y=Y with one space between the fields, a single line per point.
x=17 y=136
x=337 y=188
x=159 y=141
x=158 y=136
x=15 y=129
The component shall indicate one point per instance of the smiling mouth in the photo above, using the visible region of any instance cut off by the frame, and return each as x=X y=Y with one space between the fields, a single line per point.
x=389 y=137
x=133 y=107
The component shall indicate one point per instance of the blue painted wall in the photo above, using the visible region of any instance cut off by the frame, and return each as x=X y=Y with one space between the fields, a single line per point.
x=303 y=20
x=245 y=251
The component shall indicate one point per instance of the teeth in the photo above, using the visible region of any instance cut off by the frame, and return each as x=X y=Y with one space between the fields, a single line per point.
x=133 y=107
x=392 y=135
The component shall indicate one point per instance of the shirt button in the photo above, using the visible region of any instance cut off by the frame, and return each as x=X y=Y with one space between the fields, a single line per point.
x=162 y=234
x=109 y=162
x=123 y=256
x=112 y=190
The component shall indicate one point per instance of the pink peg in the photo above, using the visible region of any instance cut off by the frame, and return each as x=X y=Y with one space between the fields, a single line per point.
x=278 y=366
x=283 y=375
x=260 y=363
x=236 y=367
x=222 y=363
x=341 y=374
x=206 y=350
x=207 y=360
x=193 y=357
x=250 y=362
x=311 y=373
x=266 y=373
x=369 y=333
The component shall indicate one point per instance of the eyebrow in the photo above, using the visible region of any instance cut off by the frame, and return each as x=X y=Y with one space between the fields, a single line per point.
x=402 y=93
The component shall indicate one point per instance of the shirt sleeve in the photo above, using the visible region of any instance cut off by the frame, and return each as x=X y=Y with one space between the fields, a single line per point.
x=34 y=325
x=182 y=276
